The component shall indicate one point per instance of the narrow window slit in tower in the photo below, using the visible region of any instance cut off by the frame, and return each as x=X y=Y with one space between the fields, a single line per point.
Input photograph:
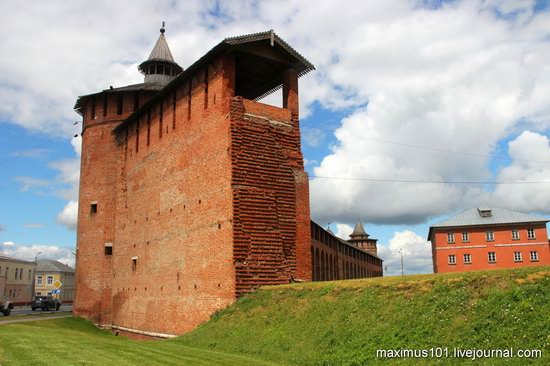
x=174 y=112
x=148 y=127
x=189 y=100
x=126 y=142
x=119 y=104
x=108 y=248
x=93 y=207
x=93 y=107
x=206 y=87
x=136 y=100
x=137 y=135
x=134 y=263
x=104 y=104
x=161 y=112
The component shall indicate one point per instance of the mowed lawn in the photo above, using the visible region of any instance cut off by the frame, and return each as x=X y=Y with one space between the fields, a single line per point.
x=324 y=323
x=74 y=341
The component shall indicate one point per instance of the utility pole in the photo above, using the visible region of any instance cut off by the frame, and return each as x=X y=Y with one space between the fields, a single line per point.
x=34 y=275
x=402 y=271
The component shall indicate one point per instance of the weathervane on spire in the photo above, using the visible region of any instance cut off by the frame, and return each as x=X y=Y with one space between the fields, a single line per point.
x=162 y=30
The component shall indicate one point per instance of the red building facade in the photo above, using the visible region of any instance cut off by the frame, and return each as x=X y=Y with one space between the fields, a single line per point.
x=489 y=238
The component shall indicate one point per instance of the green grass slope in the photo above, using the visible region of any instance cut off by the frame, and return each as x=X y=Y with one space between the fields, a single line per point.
x=74 y=341
x=328 y=323
x=344 y=323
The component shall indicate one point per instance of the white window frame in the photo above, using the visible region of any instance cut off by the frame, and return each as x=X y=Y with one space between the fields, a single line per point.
x=515 y=234
x=450 y=238
x=493 y=255
x=490 y=235
x=467 y=258
x=49 y=280
x=531 y=234
x=518 y=257
x=39 y=280
x=452 y=259
x=465 y=237
x=534 y=256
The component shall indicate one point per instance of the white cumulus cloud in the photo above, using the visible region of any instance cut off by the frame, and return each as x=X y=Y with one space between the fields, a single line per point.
x=29 y=252
x=343 y=231
x=457 y=78
x=69 y=215
x=458 y=75
x=417 y=253
x=532 y=151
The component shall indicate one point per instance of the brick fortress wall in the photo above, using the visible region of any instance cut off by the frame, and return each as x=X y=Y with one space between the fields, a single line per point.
x=98 y=172
x=335 y=259
x=174 y=210
x=203 y=197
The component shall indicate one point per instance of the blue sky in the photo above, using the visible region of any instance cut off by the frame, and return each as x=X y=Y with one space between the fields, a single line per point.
x=28 y=192
x=393 y=79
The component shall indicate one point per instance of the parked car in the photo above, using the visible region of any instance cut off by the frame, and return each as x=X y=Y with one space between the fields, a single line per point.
x=5 y=306
x=45 y=303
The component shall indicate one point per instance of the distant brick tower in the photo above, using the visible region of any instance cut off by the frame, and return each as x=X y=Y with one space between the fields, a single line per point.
x=362 y=240
x=192 y=192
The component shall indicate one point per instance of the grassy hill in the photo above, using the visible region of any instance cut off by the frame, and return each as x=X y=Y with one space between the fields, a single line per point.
x=344 y=323
x=328 y=323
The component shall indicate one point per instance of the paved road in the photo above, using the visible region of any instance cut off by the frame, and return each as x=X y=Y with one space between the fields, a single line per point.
x=22 y=319
x=25 y=310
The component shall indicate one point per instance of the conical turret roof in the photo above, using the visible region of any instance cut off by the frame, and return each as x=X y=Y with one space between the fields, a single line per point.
x=160 y=67
x=161 y=51
x=359 y=230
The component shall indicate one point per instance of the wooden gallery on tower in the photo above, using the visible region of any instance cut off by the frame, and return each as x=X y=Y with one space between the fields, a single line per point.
x=193 y=193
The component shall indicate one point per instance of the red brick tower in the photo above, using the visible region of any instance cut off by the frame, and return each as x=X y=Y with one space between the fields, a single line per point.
x=362 y=240
x=201 y=190
x=101 y=113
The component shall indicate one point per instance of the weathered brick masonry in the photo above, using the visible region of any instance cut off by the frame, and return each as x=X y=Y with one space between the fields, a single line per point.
x=266 y=161
x=101 y=113
x=191 y=192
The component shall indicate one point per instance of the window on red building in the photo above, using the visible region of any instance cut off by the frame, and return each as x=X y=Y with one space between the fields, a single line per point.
x=534 y=255
x=450 y=238
x=467 y=259
x=515 y=234
x=452 y=259
x=492 y=257
x=465 y=237
x=517 y=257
x=490 y=236
x=531 y=233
